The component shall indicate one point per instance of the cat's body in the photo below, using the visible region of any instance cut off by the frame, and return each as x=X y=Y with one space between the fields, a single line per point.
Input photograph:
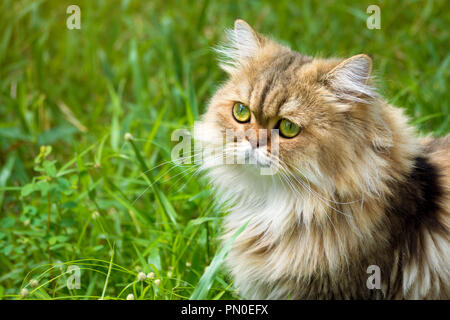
x=406 y=235
x=356 y=189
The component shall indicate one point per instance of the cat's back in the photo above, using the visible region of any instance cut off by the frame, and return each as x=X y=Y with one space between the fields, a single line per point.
x=439 y=149
x=438 y=152
x=433 y=281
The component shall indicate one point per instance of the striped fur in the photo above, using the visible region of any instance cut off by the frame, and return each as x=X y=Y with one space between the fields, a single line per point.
x=359 y=187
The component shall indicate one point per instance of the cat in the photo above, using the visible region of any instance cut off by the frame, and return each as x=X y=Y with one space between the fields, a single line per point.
x=355 y=189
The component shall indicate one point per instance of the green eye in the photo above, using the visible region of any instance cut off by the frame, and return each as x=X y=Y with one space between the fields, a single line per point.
x=288 y=129
x=241 y=113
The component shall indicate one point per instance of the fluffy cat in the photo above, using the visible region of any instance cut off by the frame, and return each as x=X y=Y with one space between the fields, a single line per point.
x=355 y=186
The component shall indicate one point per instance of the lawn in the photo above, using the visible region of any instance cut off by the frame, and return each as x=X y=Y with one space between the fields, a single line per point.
x=80 y=196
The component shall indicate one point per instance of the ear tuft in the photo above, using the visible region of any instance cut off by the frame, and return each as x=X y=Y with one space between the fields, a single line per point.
x=350 y=79
x=242 y=44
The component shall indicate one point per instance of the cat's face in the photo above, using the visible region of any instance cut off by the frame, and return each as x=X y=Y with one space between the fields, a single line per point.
x=317 y=107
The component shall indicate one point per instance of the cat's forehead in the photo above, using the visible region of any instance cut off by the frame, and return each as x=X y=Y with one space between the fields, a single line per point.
x=271 y=86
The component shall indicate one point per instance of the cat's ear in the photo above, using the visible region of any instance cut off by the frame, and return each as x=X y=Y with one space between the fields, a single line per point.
x=350 y=79
x=242 y=44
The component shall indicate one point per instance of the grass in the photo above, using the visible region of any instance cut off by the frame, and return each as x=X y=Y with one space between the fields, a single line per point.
x=73 y=191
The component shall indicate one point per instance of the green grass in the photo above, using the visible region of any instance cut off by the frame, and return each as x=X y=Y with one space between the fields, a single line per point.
x=147 y=68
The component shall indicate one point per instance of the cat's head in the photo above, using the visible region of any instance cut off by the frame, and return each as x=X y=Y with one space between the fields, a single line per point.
x=327 y=128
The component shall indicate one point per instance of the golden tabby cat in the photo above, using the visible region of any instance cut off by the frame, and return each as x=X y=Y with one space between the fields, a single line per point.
x=354 y=187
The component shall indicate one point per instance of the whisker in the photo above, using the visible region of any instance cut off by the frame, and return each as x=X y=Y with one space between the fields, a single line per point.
x=308 y=188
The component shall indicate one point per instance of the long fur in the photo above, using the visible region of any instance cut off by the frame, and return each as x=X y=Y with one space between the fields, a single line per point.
x=356 y=187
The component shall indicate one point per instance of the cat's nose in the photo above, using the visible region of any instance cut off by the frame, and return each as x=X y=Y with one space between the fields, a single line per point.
x=257 y=143
x=259 y=139
x=254 y=143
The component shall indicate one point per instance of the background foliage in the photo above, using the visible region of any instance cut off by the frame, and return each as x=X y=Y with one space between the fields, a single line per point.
x=74 y=192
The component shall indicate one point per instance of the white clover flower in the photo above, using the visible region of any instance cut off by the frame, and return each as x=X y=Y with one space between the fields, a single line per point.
x=157 y=282
x=130 y=296
x=34 y=283
x=60 y=265
x=188 y=264
x=24 y=292
x=95 y=215
x=151 y=275
x=141 y=276
x=128 y=136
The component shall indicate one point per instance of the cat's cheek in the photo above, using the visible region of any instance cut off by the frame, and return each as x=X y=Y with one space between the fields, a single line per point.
x=304 y=157
x=292 y=150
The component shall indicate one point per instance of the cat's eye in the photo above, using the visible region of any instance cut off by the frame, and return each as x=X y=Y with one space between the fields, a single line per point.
x=288 y=129
x=241 y=112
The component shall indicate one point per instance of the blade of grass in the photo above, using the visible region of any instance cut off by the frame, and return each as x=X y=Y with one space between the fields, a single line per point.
x=207 y=279
x=161 y=198
x=108 y=274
